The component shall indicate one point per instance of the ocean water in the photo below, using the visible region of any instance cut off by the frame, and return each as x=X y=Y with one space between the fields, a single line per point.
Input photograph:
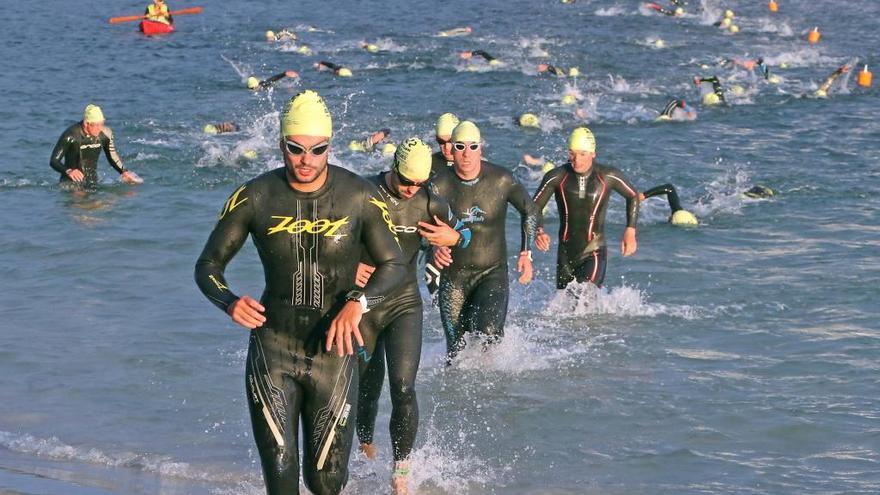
x=739 y=357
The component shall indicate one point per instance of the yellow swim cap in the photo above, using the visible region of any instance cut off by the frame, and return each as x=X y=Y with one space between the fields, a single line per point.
x=445 y=124
x=683 y=217
x=529 y=120
x=737 y=90
x=659 y=43
x=413 y=160
x=253 y=82
x=495 y=61
x=388 y=149
x=270 y=36
x=344 y=72
x=249 y=154
x=679 y=11
x=569 y=100
x=582 y=139
x=783 y=65
x=574 y=72
x=725 y=23
x=371 y=48
x=210 y=129
x=774 y=80
x=306 y=115
x=548 y=166
x=466 y=131
x=711 y=99
x=93 y=114
x=734 y=28
x=821 y=93
x=728 y=14
x=304 y=50
x=354 y=145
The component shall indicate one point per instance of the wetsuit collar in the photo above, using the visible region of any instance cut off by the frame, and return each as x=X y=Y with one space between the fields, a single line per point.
x=583 y=174
x=470 y=182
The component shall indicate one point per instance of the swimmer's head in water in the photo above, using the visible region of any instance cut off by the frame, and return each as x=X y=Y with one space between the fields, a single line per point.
x=728 y=14
x=249 y=154
x=725 y=23
x=759 y=191
x=529 y=120
x=210 y=129
x=821 y=93
x=412 y=161
x=270 y=36
x=711 y=99
x=388 y=149
x=253 y=82
x=734 y=28
x=737 y=90
x=682 y=218
x=343 y=72
x=569 y=100
x=773 y=79
x=582 y=139
x=679 y=11
x=306 y=114
x=93 y=114
x=574 y=72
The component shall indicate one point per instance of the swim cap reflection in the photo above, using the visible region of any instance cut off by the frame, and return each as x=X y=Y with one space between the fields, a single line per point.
x=582 y=139
x=529 y=120
x=683 y=217
x=445 y=124
x=93 y=114
x=466 y=131
x=413 y=160
x=306 y=114
x=253 y=82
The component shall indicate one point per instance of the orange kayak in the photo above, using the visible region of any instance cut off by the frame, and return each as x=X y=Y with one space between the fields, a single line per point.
x=153 y=28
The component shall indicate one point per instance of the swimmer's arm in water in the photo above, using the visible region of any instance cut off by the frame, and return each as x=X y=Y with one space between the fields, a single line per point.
x=542 y=197
x=268 y=83
x=622 y=186
x=486 y=56
x=228 y=237
x=323 y=64
x=113 y=158
x=668 y=190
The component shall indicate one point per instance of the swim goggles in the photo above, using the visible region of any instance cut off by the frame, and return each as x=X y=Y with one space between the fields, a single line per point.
x=316 y=150
x=407 y=182
x=461 y=146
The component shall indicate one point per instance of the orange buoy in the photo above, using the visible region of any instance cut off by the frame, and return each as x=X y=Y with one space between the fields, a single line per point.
x=814 y=36
x=773 y=6
x=865 y=78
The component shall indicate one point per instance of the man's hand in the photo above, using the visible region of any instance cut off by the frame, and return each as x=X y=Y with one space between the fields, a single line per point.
x=363 y=274
x=291 y=73
x=247 y=312
x=440 y=234
x=130 y=177
x=344 y=326
x=442 y=256
x=75 y=174
x=629 y=245
x=542 y=240
x=524 y=266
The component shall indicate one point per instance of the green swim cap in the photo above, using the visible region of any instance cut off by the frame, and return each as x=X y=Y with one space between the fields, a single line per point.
x=304 y=50
x=728 y=14
x=344 y=72
x=445 y=124
x=412 y=159
x=93 y=114
x=270 y=36
x=574 y=72
x=370 y=47
x=711 y=99
x=683 y=217
x=354 y=145
x=253 y=82
x=582 y=139
x=306 y=114
x=249 y=154
x=569 y=100
x=529 y=120
x=737 y=90
x=725 y=23
x=466 y=131
x=774 y=80
x=210 y=129
x=734 y=28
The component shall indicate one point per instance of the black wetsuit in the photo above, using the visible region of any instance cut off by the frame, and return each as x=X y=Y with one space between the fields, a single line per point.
x=716 y=87
x=268 y=83
x=671 y=106
x=393 y=329
x=582 y=200
x=481 y=53
x=309 y=245
x=77 y=150
x=330 y=65
x=556 y=71
x=669 y=191
x=474 y=289
x=439 y=163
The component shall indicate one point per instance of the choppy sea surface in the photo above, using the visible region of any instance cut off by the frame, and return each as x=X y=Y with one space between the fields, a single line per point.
x=739 y=357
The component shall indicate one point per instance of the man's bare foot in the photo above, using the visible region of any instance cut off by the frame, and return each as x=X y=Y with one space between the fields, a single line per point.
x=400 y=478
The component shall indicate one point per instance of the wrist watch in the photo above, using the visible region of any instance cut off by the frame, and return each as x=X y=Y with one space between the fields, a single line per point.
x=359 y=296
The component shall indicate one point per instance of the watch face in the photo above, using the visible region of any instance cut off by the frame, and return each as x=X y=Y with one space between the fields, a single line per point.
x=354 y=295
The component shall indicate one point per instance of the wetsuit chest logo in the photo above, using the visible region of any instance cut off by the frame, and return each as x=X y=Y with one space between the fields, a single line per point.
x=89 y=146
x=403 y=229
x=322 y=226
x=474 y=214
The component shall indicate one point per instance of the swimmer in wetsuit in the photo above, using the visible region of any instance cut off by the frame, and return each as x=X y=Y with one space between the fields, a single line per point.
x=75 y=155
x=582 y=189
x=442 y=160
x=678 y=215
x=337 y=69
x=393 y=329
x=467 y=55
x=716 y=97
x=255 y=84
x=283 y=35
x=677 y=109
x=822 y=92
x=310 y=222
x=220 y=128
x=474 y=292
x=369 y=144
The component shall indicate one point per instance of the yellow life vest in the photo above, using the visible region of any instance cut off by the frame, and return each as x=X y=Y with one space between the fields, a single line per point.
x=157 y=13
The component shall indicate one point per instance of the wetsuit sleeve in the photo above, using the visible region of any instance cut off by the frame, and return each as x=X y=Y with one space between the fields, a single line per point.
x=228 y=236
x=110 y=150
x=61 y=147
x=669 y=191
x=543 y=194
x=618 y=182
x=519 y=198
x=272 y=80
x=440 y=207
x=329 y=65
x=381 y=244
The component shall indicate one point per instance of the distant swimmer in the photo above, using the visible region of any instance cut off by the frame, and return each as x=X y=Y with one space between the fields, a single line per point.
x=255 y=84
x=468 y=55
x=392 y=330
x=461 y=31
x=220 y=128
x=337 y=69
x=528 y=119
x=582 y=189
x=369 y=144
x=158 y=12
x=442 y=160
x=75 y=156
x=822 y=92
x=676 y=11
x=714 y=97
x=558 y=71
x=474 y=289
x=370 y=47
x=759 y=191
x=539 y=163
x=678 y=215
x=677 y=110
x=283 y=35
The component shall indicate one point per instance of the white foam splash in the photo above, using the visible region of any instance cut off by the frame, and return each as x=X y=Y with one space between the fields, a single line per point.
x=615 y=10
x=584 y=299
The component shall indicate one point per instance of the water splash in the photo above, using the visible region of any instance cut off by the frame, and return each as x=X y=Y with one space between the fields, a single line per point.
x=585 y=299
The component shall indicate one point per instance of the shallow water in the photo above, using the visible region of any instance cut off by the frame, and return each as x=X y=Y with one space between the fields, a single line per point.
x=739 y=357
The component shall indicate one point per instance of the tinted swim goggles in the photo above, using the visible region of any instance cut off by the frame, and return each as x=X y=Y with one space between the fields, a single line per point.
x=316 y=150
x=407 y=182
x=461 y=146
x=443 y=142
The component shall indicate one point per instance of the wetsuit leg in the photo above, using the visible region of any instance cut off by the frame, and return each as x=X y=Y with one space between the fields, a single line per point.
x=564 y=272
x=403 y=349
x=372 y=379
x=486 y=310
x=452 y=298
x=592 y=268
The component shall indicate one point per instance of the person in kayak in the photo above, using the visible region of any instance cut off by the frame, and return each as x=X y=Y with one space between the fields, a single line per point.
x=158 y=12
x=582 y=189
x=310 y=222
x=220 y=128
x=474 y=289
x=75 y=155
x=337 y=69
x=442 y=159
x=393 y=329
x=255 y=84
x=716 y=96
x=678 y=215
